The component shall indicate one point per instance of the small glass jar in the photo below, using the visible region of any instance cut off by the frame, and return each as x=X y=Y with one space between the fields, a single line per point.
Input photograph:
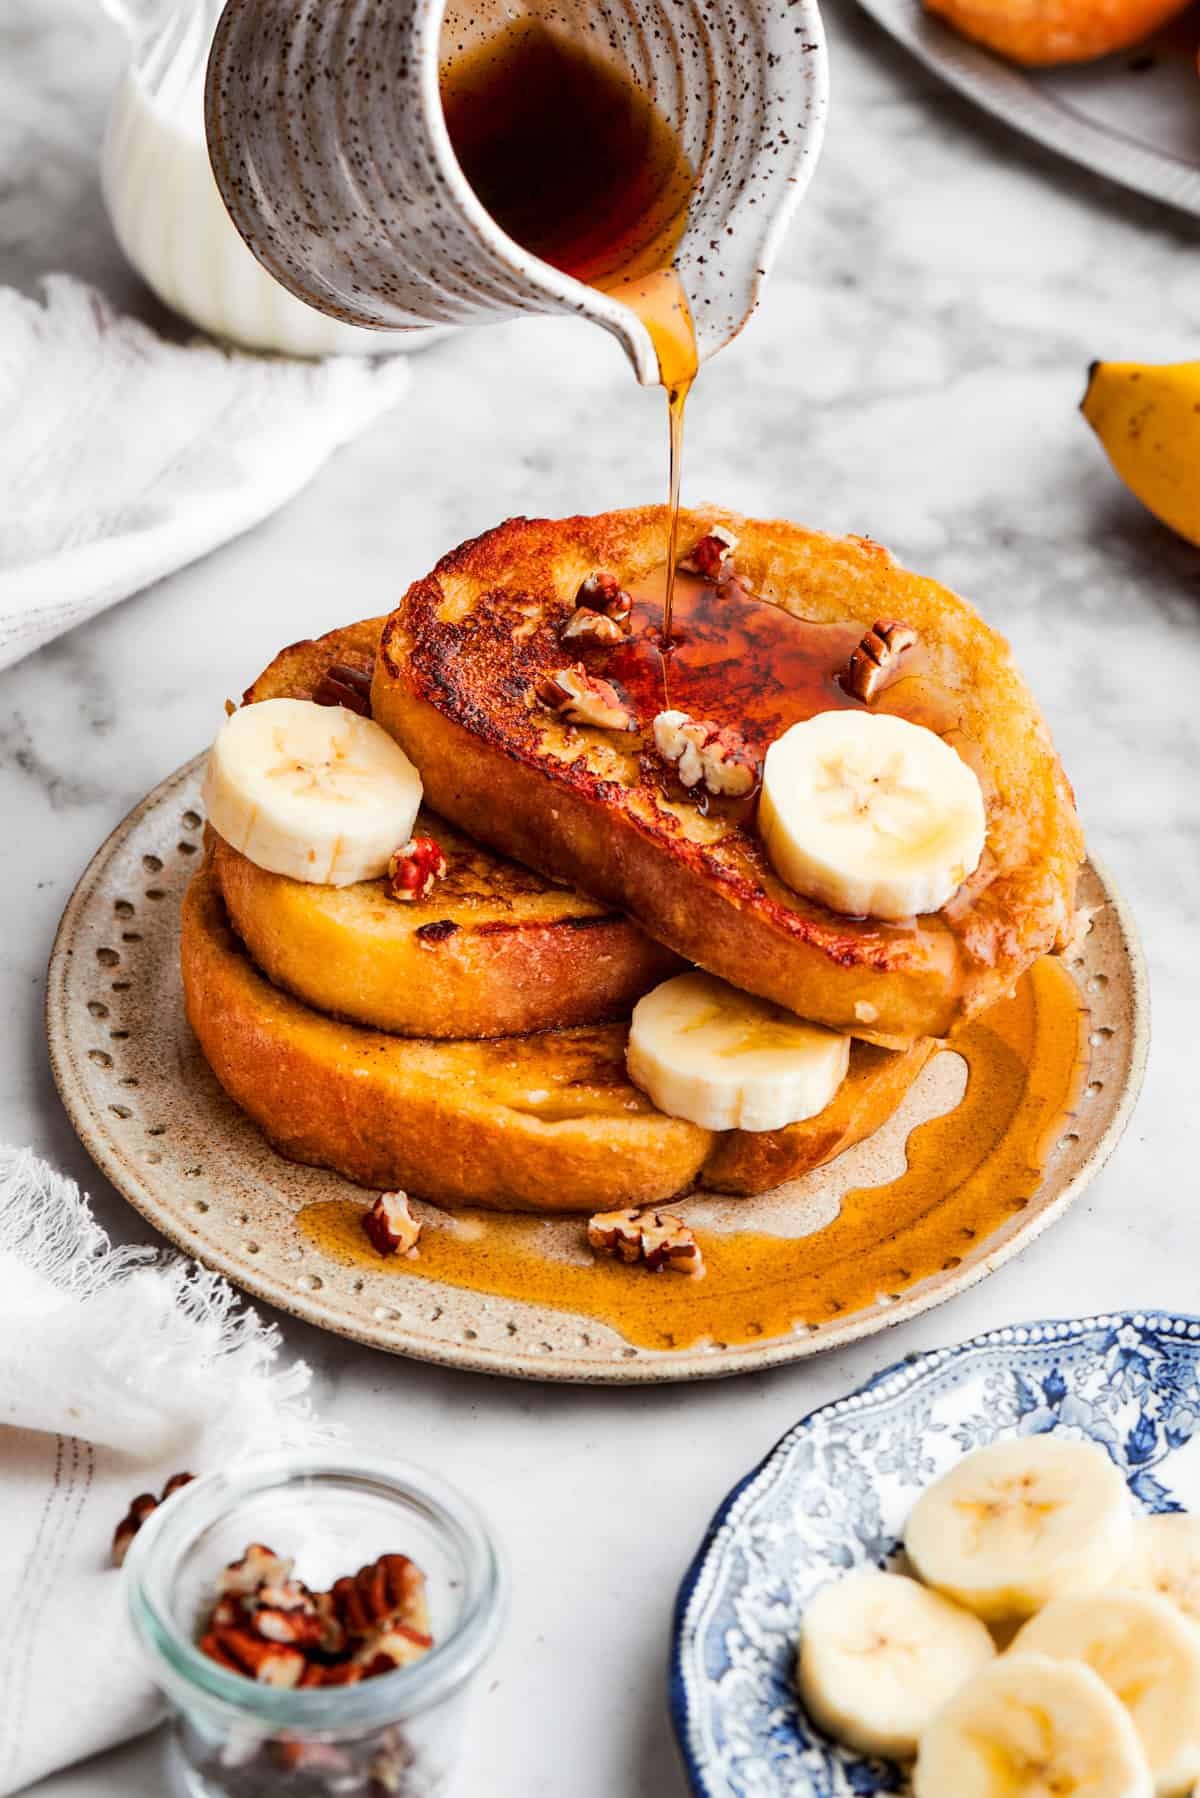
x=394 y=1736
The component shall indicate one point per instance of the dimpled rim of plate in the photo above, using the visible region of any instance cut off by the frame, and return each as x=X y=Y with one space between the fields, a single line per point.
x=834 y=1494
x=152 y=1116
x=1031 y=106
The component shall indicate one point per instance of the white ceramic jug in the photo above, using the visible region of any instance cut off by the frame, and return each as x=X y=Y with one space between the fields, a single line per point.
x=331 y=151
x=165 y=208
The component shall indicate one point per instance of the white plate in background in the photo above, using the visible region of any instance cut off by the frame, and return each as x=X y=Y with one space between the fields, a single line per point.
x=1134 y=118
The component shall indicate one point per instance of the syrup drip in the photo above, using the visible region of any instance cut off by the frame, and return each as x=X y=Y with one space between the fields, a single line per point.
x=578 y=166
x=661 y=303
x=969 y=1173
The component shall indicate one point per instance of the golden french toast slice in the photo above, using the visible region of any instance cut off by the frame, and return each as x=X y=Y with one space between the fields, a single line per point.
x=493 y=950
x=548 y=1122
x=470 y=681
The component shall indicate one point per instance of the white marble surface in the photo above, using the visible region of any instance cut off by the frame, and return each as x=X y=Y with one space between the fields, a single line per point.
x=914 y=373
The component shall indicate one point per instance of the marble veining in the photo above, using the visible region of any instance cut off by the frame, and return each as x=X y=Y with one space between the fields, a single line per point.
x=914 y=372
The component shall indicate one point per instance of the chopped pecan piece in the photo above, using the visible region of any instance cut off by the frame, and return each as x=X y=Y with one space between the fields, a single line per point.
x=656 y=1238
x=604 y=593
x=587 y=627
x=582 y=698
x=602 y=611
x=140 y=1508
x=708 y=752
x=876 y=660
x=319 y=1762
x=415 y=869
x=342 y=1673
x=259 y=1566
x=286 y=1613
x=333 y=1634
x=389 y=1593
x=390 y=1769
x=243 y=1652
x=384 y=1650
x=390 y=1225
x=346 y=684
x=709 y=556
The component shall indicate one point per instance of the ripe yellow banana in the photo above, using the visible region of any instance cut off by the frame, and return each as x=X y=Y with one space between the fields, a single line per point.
x=1148 y=419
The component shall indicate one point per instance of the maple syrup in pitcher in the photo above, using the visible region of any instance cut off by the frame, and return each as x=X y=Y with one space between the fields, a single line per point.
x=577 y=165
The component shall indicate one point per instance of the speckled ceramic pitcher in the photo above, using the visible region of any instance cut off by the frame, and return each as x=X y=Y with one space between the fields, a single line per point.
x=330 y=149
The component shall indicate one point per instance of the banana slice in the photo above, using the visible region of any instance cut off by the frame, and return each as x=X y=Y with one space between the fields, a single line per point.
x=880 y=1655
x=1031 y=1727
x=1165 y=1558
x=870 y=815
x=1148 y=1657
x=1020 y=1522
x=312 y=791
x=721 y=1058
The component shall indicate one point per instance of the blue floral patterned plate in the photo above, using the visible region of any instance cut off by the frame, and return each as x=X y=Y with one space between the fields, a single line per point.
x=835 y=1493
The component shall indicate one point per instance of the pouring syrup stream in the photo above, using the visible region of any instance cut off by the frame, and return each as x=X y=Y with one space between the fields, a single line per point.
x=577 y=165
x=660 y=301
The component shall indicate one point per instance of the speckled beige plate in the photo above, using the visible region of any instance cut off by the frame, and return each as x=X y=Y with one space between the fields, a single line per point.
x=149 y=1111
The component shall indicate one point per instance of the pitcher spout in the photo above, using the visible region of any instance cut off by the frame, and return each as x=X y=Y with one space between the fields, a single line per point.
x=352 y=193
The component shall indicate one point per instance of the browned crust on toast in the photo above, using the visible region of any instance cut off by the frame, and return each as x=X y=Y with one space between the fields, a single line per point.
x=453 y=683
x=544 y=1123
x=495 y=950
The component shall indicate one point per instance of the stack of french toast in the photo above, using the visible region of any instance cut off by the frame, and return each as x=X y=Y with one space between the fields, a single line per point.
x=510 y=901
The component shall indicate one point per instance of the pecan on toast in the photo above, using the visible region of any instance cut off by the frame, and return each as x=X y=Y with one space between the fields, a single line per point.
x=493 y=950
x=460 y=683
x=547 y=1122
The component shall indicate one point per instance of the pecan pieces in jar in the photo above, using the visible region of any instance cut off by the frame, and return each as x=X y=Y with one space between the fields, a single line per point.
x=704 y=751
x=384 y=1611
x=582 y=698
x=657 y=1239
x=876 y=661
x=279 y=1633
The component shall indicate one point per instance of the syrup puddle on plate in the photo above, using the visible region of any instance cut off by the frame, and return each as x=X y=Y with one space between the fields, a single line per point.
x=968 y=1172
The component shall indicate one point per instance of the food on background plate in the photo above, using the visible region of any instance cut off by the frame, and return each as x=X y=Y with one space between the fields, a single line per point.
x=1019 y=1523
x=1043 y=33
x=1147 y=416
x=1164 y=1557
x=880 y=1655
x=1148 y=1656
x=767 y=645
x=1028 y=1727
x=1097 y=1692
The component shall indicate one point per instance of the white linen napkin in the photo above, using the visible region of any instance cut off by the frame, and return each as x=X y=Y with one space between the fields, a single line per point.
x=124 y=456
x=118 y=1368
